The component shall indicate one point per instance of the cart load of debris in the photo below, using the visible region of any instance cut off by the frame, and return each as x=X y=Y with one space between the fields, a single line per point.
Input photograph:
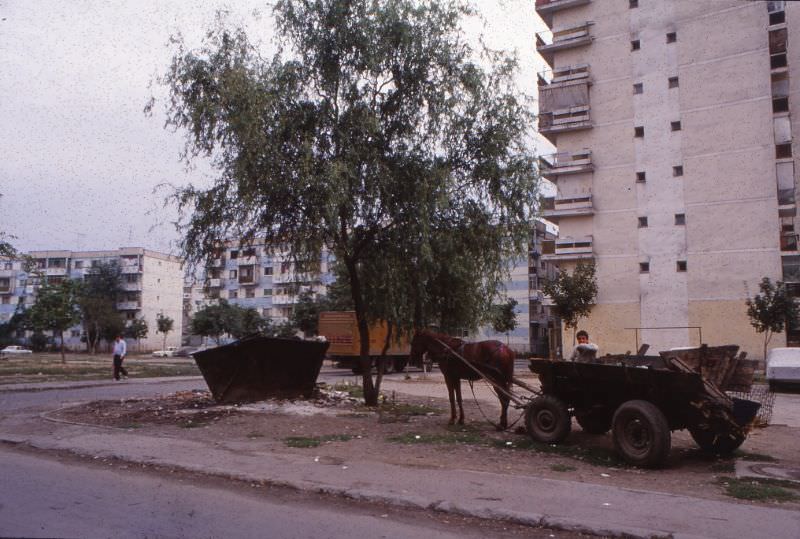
x=257 y=368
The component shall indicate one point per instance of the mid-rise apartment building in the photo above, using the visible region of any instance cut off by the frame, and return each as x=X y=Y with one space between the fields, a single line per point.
x=151 y=285
x=675 y=168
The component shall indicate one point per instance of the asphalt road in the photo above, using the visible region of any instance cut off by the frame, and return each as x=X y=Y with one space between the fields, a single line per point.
x=46 y=496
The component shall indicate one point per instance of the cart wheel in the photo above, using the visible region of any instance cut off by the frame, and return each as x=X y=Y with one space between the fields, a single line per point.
x=718 y=444
x=641 y=433
x=547 y=419
x=595 y=420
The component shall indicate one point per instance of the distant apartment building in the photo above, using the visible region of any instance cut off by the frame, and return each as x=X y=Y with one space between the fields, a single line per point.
x=544 y=331
x=151 y=285
x=264 y=279
x=675 y=164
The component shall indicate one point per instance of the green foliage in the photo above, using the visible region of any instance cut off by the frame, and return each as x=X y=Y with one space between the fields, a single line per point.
x=771 y=309
x=504 y=317
x=374 y=133
x=97 y=302
x=223 y=318
x=573 y=294
x=136 y=329
x=165 y=324
x=56 y=309
x=305 y=314
x=759 y=489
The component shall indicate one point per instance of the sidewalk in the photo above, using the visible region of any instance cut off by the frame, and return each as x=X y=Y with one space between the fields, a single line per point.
x=525 y=499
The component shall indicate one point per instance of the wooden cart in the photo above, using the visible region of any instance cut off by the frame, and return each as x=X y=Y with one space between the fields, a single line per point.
x=641 y=400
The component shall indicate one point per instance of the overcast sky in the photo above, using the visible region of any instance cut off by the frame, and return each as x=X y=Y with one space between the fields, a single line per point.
x=79 y=160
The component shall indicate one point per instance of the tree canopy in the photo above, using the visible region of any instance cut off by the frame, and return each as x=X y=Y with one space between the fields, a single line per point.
x=771 y=310
x=375 y=132
x=164 y=326
x=55 y=309
x=573 y=294
x=97 y=301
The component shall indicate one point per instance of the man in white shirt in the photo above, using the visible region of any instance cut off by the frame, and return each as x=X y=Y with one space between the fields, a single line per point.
x=120 y=349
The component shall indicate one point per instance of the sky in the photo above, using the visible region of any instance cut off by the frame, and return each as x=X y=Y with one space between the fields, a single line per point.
x=81 y=165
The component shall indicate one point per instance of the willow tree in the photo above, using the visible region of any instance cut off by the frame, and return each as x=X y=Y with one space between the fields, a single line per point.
x=374 y=132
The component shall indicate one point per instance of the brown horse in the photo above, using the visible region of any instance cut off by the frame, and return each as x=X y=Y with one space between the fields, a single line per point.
x=492 y=358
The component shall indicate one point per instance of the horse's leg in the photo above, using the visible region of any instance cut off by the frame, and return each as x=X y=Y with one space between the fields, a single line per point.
x=451 y=396
x=460 y=404
x=504 y=400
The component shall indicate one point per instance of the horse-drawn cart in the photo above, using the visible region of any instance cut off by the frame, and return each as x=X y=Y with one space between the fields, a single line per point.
x=641 y=400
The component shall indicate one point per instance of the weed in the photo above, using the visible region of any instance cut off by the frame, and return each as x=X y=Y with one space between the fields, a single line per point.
x=596 y=456
x=759 y=489
x=355 y=391
x=315 y=441
x=562 y=468
x=461 y=437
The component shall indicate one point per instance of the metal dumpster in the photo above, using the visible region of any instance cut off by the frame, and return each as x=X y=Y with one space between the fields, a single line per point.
x=256 y=368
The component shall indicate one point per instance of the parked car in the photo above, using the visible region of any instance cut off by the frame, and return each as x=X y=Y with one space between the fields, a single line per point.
x=14 y=350
x=783 y=366
x=169 y=352
x=185 y=351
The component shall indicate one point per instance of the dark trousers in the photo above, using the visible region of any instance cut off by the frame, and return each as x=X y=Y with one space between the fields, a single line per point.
x=118 y=368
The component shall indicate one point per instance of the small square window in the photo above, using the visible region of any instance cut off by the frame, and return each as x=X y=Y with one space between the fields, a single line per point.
x=642 y=222
x=635 y=45
x=680 y=265
x=633 y=4
x=267 y=291
x=777 y=61
x=644 y=267
x=232 y=274
x=250 y=293
x=268 y=271
x=675 y=126
x=233 y=294
x=641 y=177
x=680 y=218
x=777 y=18
x=638 y=131
x=672 y=82
x=780 y=104
x=783 y=150
x=638 y=88
x=672 y=37
x=677 y=170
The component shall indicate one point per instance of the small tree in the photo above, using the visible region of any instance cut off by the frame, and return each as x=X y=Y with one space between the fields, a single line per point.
x=55 y=310
x=97 y=299
x=771 y=310
x=164 y=324
x=137 y=329
x=504 y=317
x=573 y=294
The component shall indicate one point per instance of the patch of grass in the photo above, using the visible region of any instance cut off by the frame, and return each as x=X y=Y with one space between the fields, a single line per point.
x=562 y=468
x=463 y=437
x=754 y=457
x=596 y=456
x=759 y=489
x=315 y=441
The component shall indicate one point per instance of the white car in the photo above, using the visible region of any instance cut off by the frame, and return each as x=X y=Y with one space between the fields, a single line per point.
x=783 y=366
x=169 y=352
x=15 y=350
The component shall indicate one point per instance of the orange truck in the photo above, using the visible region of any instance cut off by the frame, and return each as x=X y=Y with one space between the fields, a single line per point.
x=341 y=331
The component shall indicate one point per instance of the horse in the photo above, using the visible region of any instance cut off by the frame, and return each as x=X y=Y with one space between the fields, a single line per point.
x=493 y=359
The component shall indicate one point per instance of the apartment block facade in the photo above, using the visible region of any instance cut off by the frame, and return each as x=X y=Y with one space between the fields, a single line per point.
x=151 y=285
x=264 y=279
x=675 y=164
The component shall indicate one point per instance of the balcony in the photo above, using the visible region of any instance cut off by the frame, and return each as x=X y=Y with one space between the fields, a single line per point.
x=129 y=305
x=291 y=277
x=563 y=249
x=547 y=42
x=565 y=163
x=8 y=273
x=545 y=7
x=216 y=263
x=555 y=208
x=132 y=287
x=284 y=299
x=246 y=260
x=55 y=272
x=564 y=120
x=214 y=283
x=130 y=268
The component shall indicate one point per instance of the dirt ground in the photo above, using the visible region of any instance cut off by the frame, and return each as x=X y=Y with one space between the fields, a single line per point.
x=412 y=430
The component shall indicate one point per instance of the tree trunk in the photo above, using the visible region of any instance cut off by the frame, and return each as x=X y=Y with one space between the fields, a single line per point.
x=365 y=361
x=382 y=359
x=63 y=358
x=164 y=342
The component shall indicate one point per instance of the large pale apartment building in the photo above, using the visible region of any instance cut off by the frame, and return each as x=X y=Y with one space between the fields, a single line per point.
x=151 y=285
x=675 y=164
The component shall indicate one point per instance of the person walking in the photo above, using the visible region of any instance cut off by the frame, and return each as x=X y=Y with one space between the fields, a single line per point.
x=120 y=349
